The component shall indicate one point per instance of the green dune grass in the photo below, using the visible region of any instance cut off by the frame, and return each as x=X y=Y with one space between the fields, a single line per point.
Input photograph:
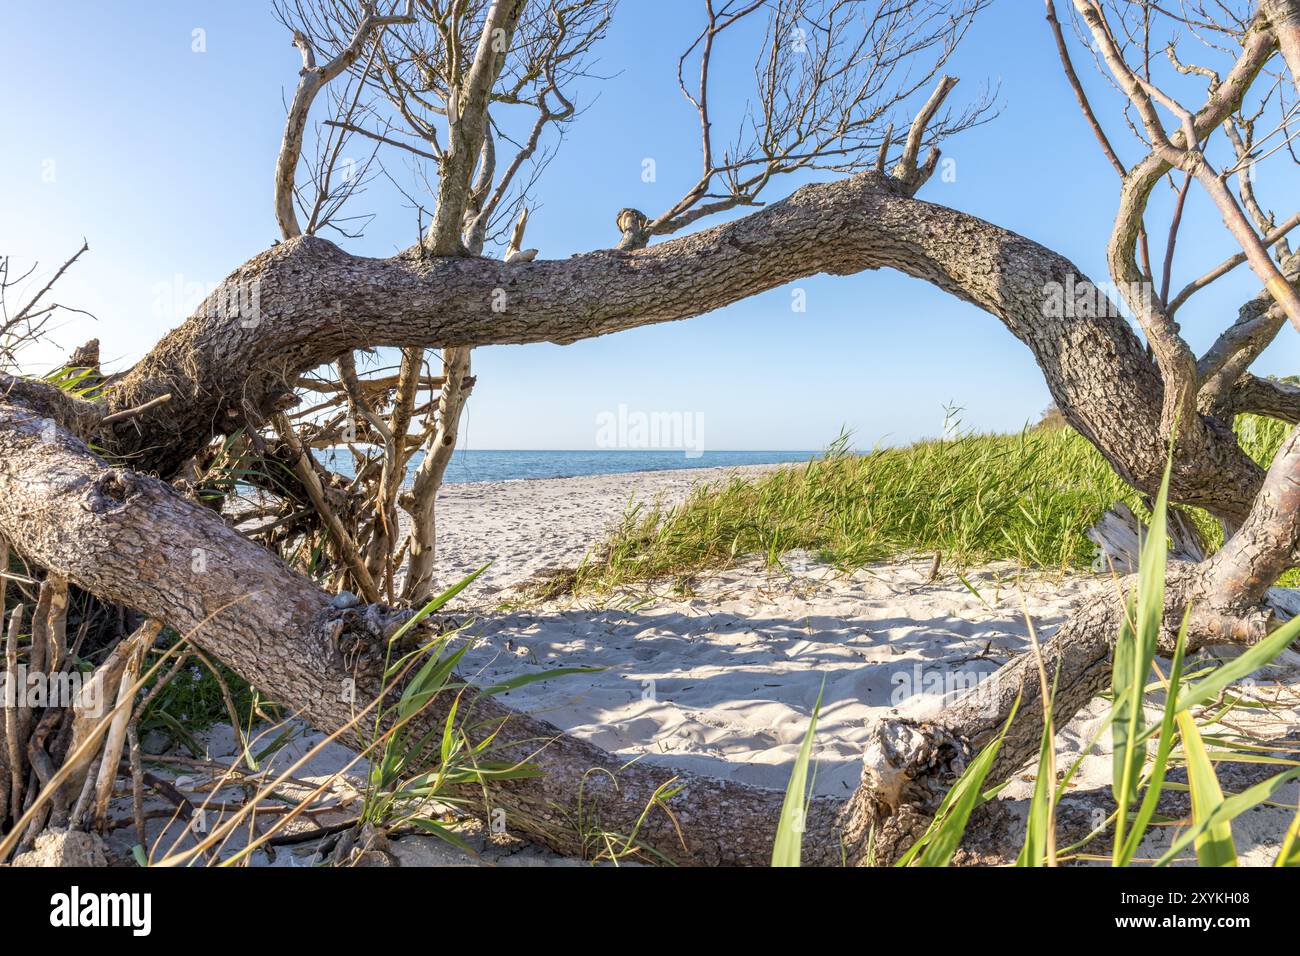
x=1029 y=497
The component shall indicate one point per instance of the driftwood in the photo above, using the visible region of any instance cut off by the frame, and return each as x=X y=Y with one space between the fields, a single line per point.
x=1119 y=535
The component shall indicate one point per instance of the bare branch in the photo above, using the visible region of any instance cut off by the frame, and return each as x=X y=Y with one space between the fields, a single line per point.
x=1227 y=265
x=828 y=74
x=307 y=474
x=1263 y=396
x=311 y=80
x=907 y=171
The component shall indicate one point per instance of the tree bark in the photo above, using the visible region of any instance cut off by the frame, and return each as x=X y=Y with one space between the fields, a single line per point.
x=314 y=302
x=132 y=540
x=1284 y=18
x=428 y=477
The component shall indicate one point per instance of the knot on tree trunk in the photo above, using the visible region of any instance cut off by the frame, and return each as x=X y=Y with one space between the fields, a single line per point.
x=907 y=767
x=359 y=636
x=912 y=762
x=632 y=223
x=110 y=491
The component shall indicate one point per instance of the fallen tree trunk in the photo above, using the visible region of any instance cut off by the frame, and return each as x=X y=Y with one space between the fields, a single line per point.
x=131 y=539
x=912 y=761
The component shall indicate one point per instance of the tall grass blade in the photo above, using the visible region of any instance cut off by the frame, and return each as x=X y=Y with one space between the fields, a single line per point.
x=523 y=680
x=1214 y=846
x=1135 y=652
x=1035 y=850
x=788 y=846
x=436 y=603
x=1164 y=748
x=1228 y=810
x=1040 y=832
x=1290 y=852
x=1249 y=661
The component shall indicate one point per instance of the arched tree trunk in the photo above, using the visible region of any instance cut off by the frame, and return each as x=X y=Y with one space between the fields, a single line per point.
x=129 y=539
x=306 y=301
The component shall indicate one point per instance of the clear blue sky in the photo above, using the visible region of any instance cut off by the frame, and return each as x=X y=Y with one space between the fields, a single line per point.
x=162 y=158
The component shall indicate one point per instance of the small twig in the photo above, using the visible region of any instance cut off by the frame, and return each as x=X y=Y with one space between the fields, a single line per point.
x=228 y=699
x=353 y=128
x=319 y=833
x=138 y=410
x=115 y=739
x=1172 y=242
x=347 y=546
x=137 y=781
x=1229 y=264
x=15 y=719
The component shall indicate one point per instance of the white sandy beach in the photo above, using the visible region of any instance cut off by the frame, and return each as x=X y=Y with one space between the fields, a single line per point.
x=527 y=527
x=724 y=682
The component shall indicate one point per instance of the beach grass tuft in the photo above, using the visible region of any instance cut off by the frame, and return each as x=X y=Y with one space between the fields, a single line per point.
x=969 y=498
x=1140 y=777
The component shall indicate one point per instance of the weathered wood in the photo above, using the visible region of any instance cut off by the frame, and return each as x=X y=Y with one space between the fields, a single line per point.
x=115 y=738
x=418 y=586
x=302 y=467
x=133 y=540
x=15 y=721
x=911 y=762
x=305 y=302
x=1119 y=535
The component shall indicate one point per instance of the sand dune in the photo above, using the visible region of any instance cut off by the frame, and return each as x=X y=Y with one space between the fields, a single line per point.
x=526 y=527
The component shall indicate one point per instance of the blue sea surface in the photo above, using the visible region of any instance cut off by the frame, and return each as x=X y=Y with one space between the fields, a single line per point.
x=473 y=465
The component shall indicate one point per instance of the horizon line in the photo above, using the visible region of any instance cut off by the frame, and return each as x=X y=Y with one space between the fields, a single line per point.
x=638 y=451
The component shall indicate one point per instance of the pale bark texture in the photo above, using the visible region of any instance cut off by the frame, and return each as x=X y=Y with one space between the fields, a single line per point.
x=317 y=301
x=429 y=475
x=1284 y=17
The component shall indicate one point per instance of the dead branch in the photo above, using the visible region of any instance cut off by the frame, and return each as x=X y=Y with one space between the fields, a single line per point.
x=311 y=80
